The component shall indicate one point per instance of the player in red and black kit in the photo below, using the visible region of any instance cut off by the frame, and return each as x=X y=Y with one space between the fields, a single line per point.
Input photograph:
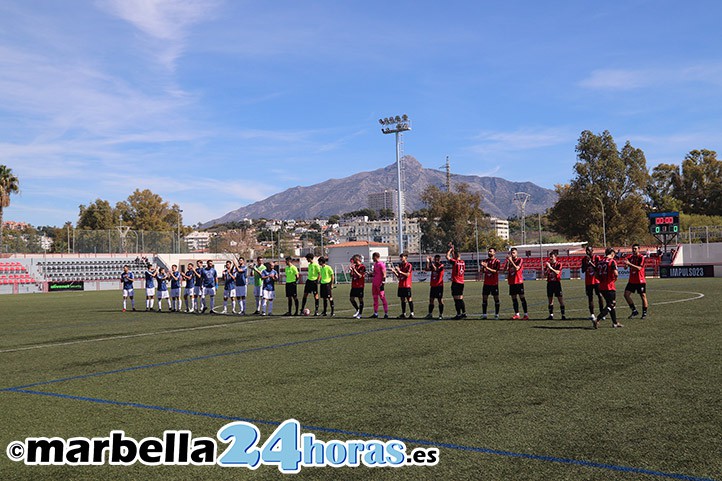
x=403 y=273
x=436 y=290
x=457 y=280
x=491 y=267
x=606 y=272
x=515 y=277
x=553 y=270
x=637 y=282
x=358 y=281
x=591 y=283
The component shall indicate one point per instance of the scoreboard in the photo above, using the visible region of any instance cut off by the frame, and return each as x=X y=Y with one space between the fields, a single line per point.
x=664 y=223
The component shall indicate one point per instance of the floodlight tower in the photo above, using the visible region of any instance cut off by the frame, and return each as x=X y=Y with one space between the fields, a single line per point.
x=397 y=125
x=520 y=199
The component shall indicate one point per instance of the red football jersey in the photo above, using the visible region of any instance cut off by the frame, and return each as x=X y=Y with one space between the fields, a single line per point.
x=515 y=275
x=457 y=271
x=637 y=277
x=437 y=276
x=588 y=266
x=405 y=281
x=606 y=272
x=492 y=278
x=551 y=275
x=358 y=280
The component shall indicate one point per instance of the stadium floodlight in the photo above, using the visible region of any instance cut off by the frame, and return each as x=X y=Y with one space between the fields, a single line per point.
x=394 y=125
x=604 y=222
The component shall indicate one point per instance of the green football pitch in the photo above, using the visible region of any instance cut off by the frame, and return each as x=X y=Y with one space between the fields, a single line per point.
x=500 y=400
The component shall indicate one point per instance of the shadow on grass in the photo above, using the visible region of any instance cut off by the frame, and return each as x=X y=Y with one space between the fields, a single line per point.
x=583 y=328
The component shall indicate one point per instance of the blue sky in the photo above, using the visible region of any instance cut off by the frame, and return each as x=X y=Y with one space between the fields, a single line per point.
x=215 y=104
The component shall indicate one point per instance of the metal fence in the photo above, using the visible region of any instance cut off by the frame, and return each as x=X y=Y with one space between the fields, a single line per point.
x=31 y=241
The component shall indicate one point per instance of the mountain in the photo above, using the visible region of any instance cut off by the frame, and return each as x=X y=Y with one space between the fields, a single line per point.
x=337 y=196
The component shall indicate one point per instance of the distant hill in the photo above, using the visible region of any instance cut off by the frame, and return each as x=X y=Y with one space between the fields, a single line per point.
x=337 y=196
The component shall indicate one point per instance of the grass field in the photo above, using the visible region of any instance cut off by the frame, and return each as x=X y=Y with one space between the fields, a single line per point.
x=502 y=400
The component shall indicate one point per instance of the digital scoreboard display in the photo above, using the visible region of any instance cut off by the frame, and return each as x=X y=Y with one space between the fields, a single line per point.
x=664 y=223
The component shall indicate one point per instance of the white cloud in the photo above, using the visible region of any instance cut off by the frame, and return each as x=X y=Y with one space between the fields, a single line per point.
x=167 y=21
x=614 y=79
x=631 y=79
x=493 y=142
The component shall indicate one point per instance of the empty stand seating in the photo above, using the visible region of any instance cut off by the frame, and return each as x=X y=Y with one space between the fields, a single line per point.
x=14 y=273
x=87 y=269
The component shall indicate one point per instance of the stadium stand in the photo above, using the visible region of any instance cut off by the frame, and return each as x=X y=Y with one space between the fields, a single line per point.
x=87 y=269
x=14 y=273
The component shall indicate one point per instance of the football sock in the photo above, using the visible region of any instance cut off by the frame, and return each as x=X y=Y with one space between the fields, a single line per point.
x=403 y=307
x=431 y=307
x=497 y=305
x=411 y=307
x=441 y=308
x=484 y=305
x=360 y=307
x=354 y=303
x=631 y=306
x=523 y=304
x=515 y=302
x=562 y=309
x=462 y=304
x=551 y=309
x=332 y=306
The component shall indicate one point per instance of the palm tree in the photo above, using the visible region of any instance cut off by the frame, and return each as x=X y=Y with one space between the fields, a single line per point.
x=9 y=185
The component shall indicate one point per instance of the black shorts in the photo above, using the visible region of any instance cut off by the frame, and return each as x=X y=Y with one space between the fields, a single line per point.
x=516 y=289
x=357 y=292
x=609 y=296
x=554 y=288
x=436 y=292
x=404 y=292
x=311 y=287
x=592 y=289
x=326 y=291
x=457 y=289
x=291 y=289
x=490 y=290
x=640 y=288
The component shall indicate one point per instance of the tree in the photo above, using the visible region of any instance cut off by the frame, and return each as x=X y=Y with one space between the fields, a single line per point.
x=98 y=215
x=609 y=180
x=701 y=183
x=449 y=217
x=695 y=188
x=665 y=187
x=9 y=185
x=145 y=210
x=386 y=214
x=333 y=219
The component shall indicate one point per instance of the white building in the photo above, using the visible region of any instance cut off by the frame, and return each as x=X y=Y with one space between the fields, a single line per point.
x=384 y=231
x=500 y=227
x=198 y=241
x=387 y=199
x=339 y=254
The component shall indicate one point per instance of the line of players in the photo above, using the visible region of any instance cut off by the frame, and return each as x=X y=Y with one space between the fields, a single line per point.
x=201 y=283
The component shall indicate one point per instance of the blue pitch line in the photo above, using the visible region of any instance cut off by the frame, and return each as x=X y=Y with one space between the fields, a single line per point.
x=358 y=434
x=221 y=354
